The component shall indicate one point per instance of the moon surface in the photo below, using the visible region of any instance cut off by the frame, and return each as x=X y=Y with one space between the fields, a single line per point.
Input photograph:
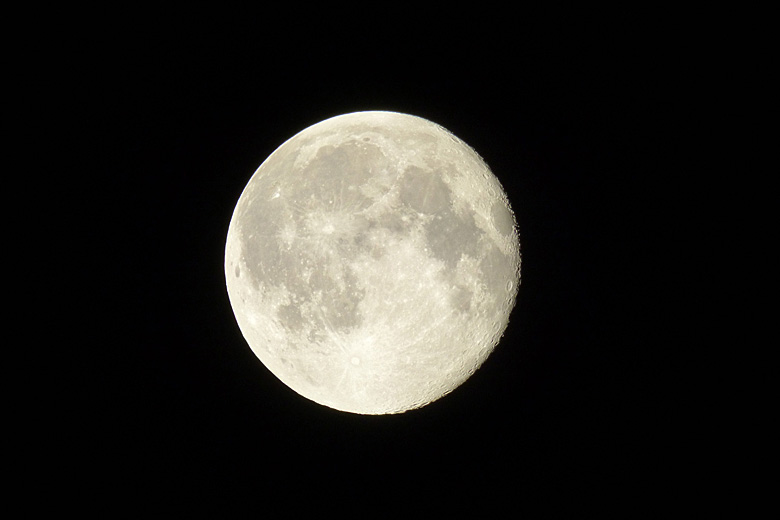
x=372 y=262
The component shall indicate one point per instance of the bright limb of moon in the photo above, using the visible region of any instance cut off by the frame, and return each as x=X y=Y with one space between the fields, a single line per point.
x=372 y=262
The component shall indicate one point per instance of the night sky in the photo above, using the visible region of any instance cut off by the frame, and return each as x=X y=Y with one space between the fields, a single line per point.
x=580 y=116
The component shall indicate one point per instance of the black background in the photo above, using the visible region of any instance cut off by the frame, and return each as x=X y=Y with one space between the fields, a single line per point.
x=581 y=116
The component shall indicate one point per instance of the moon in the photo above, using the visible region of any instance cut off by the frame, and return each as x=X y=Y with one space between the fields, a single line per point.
x=372 y=262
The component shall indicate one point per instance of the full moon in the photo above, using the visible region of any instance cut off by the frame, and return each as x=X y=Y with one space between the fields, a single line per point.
x=372 y=262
